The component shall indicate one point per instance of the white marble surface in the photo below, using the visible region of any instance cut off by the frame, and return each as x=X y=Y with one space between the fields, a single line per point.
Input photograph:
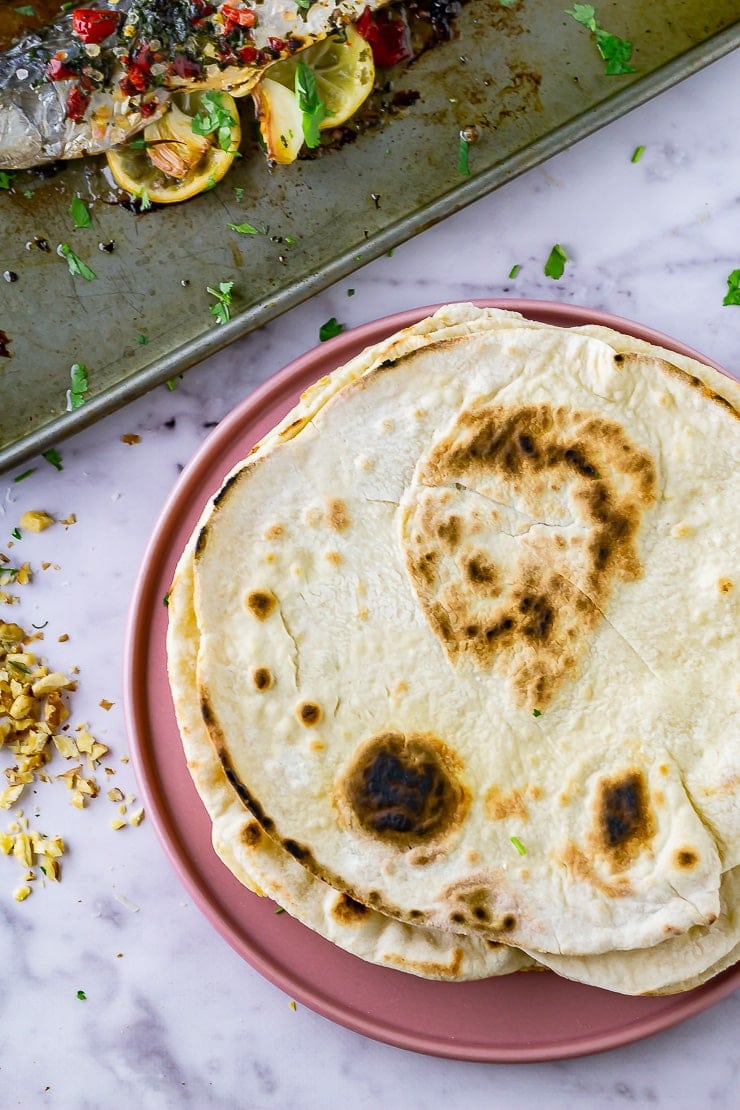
x=173 y=1016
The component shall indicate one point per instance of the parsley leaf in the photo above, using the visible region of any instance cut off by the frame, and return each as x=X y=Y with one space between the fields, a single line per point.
x=555 y=265
x=79 y=213
x=331 y=328
x=82 y=996
x=637 y=153
x=514 y=270
x=53 y=457
x=615 y=51
x=24 y=474
x=463 y=156
x=75 y=264
x=518 y=845
x=214 y=118
x=222 y=308
x=312 y=107
x=733 y=288
x=80 y=386
x=246 y=229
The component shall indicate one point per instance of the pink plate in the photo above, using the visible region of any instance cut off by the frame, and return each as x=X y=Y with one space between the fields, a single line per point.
x=519 y=1017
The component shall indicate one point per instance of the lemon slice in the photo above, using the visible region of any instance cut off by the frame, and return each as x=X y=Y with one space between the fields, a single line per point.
x=344 y=72
x=180 y=156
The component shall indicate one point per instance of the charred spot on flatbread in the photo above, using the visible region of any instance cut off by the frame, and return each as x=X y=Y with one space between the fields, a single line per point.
x=262 y=678
x=625 y=823
x=251 y=834
x=485 y=536
x=347 y=911
x=309 y=713
x=261 y=603
x=403 y=789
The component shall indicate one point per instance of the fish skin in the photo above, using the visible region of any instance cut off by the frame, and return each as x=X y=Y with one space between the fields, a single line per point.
x=34 y=125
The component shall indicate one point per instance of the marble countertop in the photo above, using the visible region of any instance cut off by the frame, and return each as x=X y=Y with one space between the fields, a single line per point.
x=172 y=1015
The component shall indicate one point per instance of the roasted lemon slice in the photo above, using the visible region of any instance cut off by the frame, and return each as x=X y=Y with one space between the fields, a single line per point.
x=344 y=71
x=185 y=152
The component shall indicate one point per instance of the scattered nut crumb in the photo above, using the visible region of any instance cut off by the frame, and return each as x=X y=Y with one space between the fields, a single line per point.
x=35 y=520
x=105 y=704
x=130 y=438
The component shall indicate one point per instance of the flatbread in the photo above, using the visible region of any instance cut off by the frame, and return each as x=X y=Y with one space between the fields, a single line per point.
x=268 y=870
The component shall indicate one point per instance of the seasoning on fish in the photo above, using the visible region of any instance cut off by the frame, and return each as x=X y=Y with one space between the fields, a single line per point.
x=99 y=74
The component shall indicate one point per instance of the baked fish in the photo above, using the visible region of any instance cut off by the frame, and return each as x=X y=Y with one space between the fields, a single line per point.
x=101 y=73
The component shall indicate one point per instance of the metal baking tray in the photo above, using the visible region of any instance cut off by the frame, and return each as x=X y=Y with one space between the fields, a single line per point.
x=526 y=76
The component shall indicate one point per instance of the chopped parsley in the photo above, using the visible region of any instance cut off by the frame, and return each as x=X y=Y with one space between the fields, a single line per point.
x=214 y=118
x=239 y=193
x=25 y=474
x=172 y=384
x=637 y=153
x=75 y=264
x=16 y=533
x=733 y=288
x=247 y=229
x=53 y=457
x=536 y=712
x=79 y=213
x=330 y=329
x=279 y=910
x=518 y=845
x=142 y=340
x=144 y=202
x=26 y=9
x=222 y=308
x=82 y=996
x=514 y=270
x=350 y=292
x=463 y=155
x=166 y=600
x=616 y=52
x=555 y=265
x=80 y=386
x=313 y=109
x=6 y=179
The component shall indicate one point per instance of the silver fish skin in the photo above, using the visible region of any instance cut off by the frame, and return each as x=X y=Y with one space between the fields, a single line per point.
x=35 y=123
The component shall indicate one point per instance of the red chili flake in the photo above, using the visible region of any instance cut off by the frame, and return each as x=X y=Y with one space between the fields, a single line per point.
x=56 y=70
x=93 y=25
x=388 y=38
x=186 y=67
x=148 y=108
x=248 y=55
x=77 y=103
x=277 y=44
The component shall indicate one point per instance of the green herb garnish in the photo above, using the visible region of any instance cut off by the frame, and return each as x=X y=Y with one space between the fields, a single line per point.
x=733 y=288
x=80 y=386
x=6 y=179
x=518 y=845
x=53 y=457
x=79 y=213
x=142 y=340
x=616 y=52
x=166 y=600
x=172 y=384
x=310 y=103
x=536 y=712
x=222 y=308
x=75 y=264
x=82 y=996
x=239 y=193
x=555 y=265
x=16 y=533
x=514 y=270
x=637 y=153
x=463 y=156
x=331 y=328
x=25 y=474
x=279 y=910
x=246 y=229
x=350 y=292
x=143 y=198
x=11 y=662
x=26 y=9
x=214 y=118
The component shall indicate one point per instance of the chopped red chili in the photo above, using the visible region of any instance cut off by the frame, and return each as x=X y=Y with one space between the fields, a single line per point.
x=237 y=17
x=389 y=38
x=56 y=70
x=93 y=25
x=77 y=102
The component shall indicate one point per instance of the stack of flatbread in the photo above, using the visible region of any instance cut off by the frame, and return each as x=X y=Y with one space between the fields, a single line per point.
x=453 y=654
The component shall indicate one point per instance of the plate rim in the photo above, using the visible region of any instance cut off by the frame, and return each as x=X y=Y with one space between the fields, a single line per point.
x=269 y=393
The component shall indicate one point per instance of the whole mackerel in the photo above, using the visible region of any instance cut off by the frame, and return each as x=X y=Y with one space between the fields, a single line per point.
x=101 y=73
